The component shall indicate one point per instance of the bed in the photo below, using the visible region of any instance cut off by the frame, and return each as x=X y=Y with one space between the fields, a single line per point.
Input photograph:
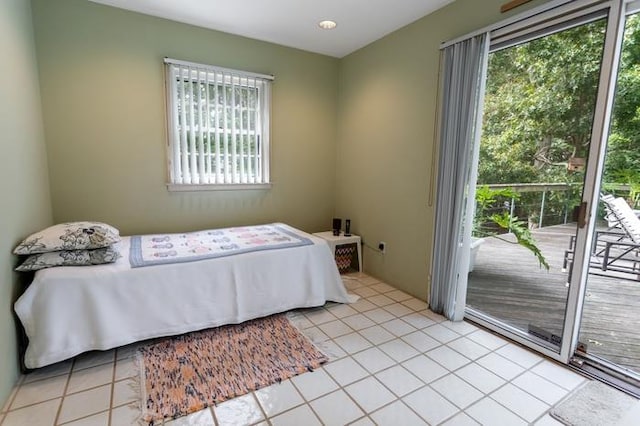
x=73 y=309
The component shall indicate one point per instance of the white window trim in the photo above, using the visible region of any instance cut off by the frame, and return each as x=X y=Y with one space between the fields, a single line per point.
x=203 y=171
x=192 y=187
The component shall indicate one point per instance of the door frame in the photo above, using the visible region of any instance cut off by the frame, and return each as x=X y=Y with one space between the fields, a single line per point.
x=617 y=11
x=593 y=176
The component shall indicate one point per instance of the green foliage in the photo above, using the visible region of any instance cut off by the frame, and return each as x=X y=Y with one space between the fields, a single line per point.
x=485 y=222
x=539 y=104
x=538 y=111
x=520 y=230
x=486 y=196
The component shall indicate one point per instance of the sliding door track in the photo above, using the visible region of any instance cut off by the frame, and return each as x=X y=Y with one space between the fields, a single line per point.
x=597 y=368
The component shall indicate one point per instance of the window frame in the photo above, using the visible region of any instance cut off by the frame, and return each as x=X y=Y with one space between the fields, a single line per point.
x=178 y=157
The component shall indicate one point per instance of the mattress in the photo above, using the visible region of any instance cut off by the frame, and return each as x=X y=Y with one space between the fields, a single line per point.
x=70 y=310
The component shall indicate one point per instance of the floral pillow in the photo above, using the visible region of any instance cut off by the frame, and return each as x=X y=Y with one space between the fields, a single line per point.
x=69 y=258
x=69 y=236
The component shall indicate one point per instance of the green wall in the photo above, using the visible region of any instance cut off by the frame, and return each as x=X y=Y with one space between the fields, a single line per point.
x=24 y=186
x=102 y=83
x=351 y=137
x=387 y=103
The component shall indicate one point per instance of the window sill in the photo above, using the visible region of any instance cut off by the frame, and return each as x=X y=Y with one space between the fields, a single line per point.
x=175 y=187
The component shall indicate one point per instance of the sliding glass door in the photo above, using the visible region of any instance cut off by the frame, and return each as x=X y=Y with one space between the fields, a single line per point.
x=609 y=333
x=550 y=255
x=539 y=108
x=538 y=220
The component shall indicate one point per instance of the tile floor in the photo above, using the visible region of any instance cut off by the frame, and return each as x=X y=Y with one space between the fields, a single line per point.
x=393 y=362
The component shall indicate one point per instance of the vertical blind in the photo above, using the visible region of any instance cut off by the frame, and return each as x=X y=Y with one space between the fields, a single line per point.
x=463 y=83
x=218 y=125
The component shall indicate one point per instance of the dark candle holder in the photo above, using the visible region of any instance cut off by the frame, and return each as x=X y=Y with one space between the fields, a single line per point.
x=337 y=224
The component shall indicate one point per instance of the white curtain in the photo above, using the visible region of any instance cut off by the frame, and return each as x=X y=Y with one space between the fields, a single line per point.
x=462 y=92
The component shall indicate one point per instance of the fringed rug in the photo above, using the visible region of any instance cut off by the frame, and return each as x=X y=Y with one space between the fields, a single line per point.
x=187 y=373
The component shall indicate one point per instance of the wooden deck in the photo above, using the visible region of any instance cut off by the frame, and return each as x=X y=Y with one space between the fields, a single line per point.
x=507 y=283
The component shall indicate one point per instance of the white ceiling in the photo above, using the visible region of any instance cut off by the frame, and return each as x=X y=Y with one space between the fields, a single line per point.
x=293 y=23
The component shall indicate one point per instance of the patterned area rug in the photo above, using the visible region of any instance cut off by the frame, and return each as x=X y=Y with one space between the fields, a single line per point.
x=187 y=373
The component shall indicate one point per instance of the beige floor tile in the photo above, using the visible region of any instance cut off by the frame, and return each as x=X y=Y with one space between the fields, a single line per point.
x=302 y=415
x=421 y=341
x=468 y=348
x=326 y=409
x=363 y=305
x=85 y=403
x=460 y=327
x=374 y=360
x=436 y=411
x=352 y=343
x=540 y=388
x=345 y=371
x=489 y=412
x=398 y=309
x=278 y=398
x=90 y=378
x=399 y=380
x=39 y=391
x=457 y=390
x=358 y=322
x=199 y=418
x=370 y=394
x=314 y=384
x=415 y=304
x=399 y=350
x=377 y=335
x=419 y=320
x=43 y=414
x=365 y=421
x=125 y=368
x=397 y=414
x=381 y=300
x=342 y=311
x=125 y=415
x=239 y=411
x=101 y=419
x=48 y=371
x=91 y=359
x=124 y=392
x=559 y=375
x=398 y=295
x=382 y=288
x=500 y=366
x=520 y=356
x=520 y=402
x=127 y=351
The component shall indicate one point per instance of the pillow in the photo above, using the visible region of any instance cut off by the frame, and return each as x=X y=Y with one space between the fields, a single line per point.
x=69 y=236
x=69 y=258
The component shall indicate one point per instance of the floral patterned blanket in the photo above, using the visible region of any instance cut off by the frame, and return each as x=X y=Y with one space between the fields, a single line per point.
x=160 y=249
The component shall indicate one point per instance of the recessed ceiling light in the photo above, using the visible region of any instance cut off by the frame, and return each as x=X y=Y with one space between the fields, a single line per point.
x=327 y=25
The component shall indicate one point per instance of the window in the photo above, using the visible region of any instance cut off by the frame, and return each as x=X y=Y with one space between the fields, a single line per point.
x=218 y=127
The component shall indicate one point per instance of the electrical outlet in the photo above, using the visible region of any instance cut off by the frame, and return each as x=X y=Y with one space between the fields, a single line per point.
x=382 y=246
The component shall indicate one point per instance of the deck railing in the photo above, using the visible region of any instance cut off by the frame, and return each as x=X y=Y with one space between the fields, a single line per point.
x=562 y=205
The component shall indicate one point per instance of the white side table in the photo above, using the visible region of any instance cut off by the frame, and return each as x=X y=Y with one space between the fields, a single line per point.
x=334 y=241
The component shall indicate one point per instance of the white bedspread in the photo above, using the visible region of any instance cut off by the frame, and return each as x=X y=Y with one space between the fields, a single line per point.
x=70 y=310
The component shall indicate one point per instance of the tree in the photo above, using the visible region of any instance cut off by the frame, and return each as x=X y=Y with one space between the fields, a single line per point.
x=623 y=150
x=539 y=106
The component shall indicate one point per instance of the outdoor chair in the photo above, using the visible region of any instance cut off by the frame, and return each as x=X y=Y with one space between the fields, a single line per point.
x=615 y=251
